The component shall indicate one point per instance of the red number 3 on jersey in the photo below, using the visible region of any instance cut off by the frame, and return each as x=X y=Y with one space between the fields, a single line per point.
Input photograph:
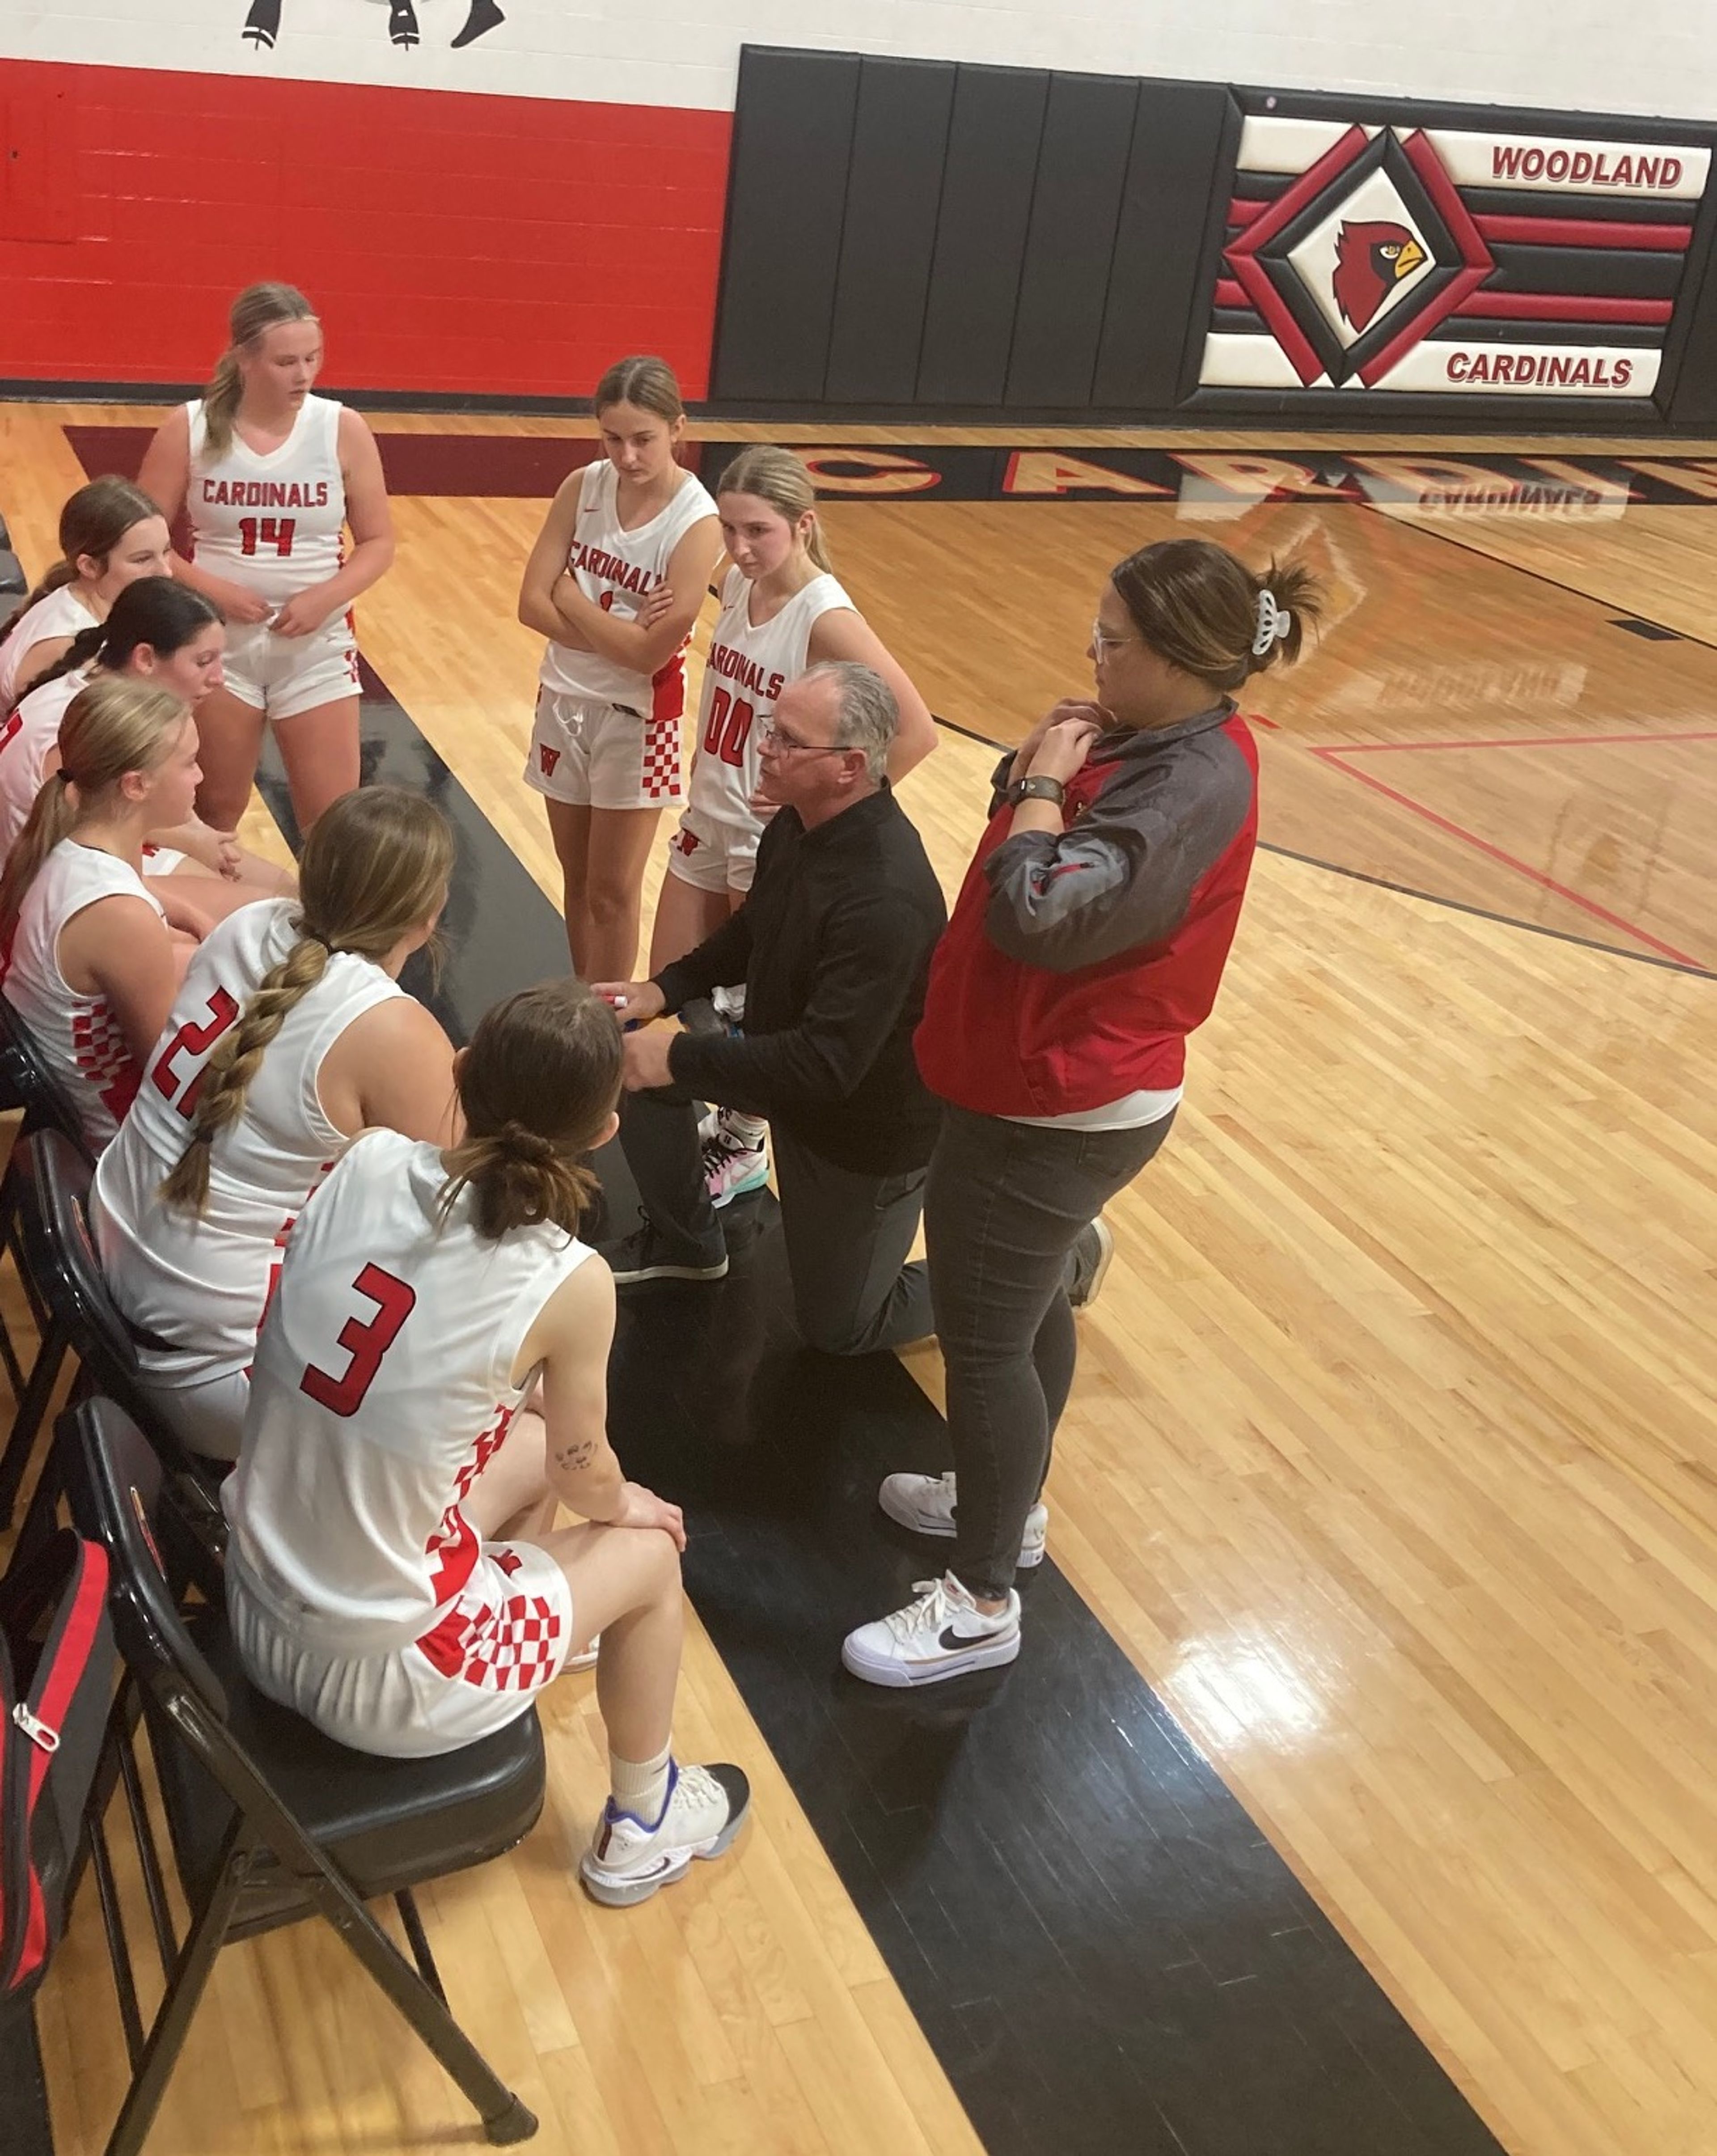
x=366 y=1343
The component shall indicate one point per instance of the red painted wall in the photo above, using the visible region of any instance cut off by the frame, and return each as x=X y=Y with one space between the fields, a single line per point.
x=499 y=245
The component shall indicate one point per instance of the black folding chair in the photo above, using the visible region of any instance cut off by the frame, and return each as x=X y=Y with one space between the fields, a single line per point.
x=76 y=1315
x=269 y=1822
x=27 y=1082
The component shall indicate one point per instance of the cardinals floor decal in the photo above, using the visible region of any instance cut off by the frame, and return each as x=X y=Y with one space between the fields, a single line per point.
x=262 y=25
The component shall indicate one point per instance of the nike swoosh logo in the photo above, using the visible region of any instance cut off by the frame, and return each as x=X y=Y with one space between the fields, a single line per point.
x=952 y=1641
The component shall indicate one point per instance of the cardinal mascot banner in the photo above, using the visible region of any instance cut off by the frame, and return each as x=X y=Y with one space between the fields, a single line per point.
x=1449 y=260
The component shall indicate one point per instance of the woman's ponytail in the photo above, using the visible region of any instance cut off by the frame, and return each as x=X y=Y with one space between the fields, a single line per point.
x=258 y=309
x=538 y=1085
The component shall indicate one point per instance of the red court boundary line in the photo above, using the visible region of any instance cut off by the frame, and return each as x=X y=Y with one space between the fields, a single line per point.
x=1513 y=741
x=1508 y=860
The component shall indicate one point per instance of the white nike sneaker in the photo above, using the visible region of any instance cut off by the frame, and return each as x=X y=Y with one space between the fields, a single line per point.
x=943 y=1634
x=925 y=1504
x=628 y=1860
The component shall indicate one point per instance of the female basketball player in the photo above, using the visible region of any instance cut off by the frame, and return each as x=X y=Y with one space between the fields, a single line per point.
x=605 y=746
x=267 y=474
x=1088 y=940
x=291 y=1033
x=110 y=534
x=431 y=1377
x=782 y=611
x=171 y=637
x=91 y=966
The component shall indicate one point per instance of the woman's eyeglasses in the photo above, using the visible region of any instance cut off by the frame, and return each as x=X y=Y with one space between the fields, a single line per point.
x=1102 y=641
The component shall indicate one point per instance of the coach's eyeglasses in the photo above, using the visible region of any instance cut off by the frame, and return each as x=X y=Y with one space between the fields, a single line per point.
x=1102 y=641
x=778 y=738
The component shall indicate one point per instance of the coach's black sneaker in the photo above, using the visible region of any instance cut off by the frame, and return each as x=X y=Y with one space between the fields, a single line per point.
x=644 y=1256
x=1089 y=1262
x=628 y=1860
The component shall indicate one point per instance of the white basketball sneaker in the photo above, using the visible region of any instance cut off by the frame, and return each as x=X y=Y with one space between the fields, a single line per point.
x=628 y=1860
x=925 y=1504
x=942 y=1634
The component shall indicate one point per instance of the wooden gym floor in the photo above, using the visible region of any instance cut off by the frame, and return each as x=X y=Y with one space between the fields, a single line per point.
x=1391 y=1469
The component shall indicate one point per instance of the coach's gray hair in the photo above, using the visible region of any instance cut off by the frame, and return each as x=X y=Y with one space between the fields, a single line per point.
x=867 y=715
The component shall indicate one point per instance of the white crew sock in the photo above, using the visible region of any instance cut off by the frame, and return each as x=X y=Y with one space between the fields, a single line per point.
x=640 y=1786
x=748 y=1130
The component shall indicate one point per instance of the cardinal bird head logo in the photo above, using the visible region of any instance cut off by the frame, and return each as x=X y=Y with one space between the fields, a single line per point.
x=1370 y=261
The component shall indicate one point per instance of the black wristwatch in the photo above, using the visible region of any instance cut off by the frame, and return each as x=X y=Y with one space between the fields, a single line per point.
x=1041 y=787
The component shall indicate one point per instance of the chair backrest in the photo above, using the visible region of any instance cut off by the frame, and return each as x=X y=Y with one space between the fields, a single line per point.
x=46 y=1102
x=123 y=1497
x=53 y=1185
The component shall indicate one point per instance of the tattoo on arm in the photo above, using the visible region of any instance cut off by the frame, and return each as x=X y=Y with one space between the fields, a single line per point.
x=577 y=1455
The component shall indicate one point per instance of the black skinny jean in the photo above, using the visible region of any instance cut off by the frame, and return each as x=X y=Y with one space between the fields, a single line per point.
x=1005 y=1204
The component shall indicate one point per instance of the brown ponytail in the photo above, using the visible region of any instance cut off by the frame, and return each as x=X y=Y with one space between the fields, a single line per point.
x=376 y=866
x=778 y=477
x=1199 y=607
x=258 y=309
x=538 y=1085
x=93 y=521
x=114 y=725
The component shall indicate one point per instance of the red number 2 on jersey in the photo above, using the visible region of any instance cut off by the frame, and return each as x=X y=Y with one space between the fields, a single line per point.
x=193 y=1039
x=365 y=1344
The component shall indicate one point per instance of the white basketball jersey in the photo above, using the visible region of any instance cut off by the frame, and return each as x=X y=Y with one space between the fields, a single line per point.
x=25 y=739
x=747 y=671
x=271 y=522
x=201 y=1283
x=382 y=1384
x=80 y=1037
x=617 y=570
x=62 y=612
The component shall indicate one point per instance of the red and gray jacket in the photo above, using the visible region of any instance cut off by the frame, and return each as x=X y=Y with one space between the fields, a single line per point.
x=1076 y=964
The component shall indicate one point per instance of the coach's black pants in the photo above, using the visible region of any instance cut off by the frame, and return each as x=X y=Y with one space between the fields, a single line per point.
x=848 y=1234
x=1006 y=1204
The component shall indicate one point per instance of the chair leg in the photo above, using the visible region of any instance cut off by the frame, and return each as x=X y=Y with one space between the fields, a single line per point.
x=32 y=1413
x=167 y=2032
x=505 y=2118
x=418 y=1940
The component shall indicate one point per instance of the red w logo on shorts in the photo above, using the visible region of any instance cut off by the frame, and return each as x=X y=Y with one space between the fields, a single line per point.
x=551 y=757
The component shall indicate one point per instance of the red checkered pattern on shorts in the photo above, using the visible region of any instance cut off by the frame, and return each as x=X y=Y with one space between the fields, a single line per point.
x=514 y=1648
x=661 y=758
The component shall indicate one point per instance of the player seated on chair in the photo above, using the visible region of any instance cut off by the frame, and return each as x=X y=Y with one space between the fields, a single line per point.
x=172 y=638
x=833 y=943
x=430 y=1380
x=290 y=1034
x=110 y=534
x=91 y=963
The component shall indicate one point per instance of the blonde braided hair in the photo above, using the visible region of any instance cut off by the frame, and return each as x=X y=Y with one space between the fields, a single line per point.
x=376 y=866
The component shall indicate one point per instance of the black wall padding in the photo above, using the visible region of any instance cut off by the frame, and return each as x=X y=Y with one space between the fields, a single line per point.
x=895 y=191
x=1687 y=390
x=980 y=234
x=1156 y=278
x=1622 y=273
x=1082 y=167
x=785 y=207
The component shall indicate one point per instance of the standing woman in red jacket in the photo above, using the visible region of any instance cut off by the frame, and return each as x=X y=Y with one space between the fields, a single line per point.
x=1087 y=942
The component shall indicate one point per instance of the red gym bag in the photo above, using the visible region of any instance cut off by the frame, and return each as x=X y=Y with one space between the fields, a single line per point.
x=57 y=1661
